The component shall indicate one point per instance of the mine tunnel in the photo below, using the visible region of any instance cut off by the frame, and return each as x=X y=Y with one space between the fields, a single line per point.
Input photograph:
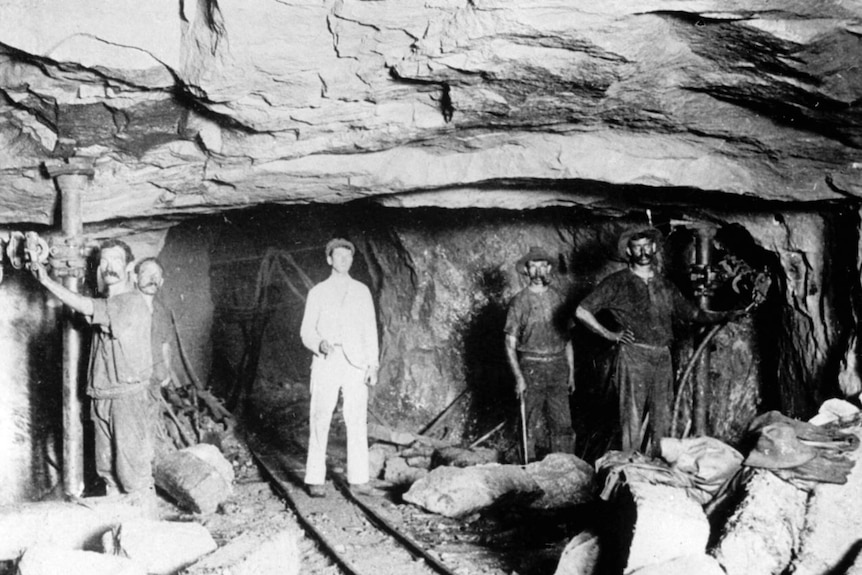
x=648 y=215
x=441 y=281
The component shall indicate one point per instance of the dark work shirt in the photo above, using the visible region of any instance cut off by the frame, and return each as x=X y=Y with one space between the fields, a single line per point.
x=648 y=308
x=161 y=334
x=535 y=319
x=120 y=357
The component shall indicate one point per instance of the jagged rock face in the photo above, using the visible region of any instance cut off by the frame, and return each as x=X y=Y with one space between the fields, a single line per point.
x=212 y=104
x=442 y=281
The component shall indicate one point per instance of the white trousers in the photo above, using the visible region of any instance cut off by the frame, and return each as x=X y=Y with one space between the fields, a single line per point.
x=330 y=375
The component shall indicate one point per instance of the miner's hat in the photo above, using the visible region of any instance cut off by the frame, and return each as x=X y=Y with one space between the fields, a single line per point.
x=637 y=232
x=779 y=448
x=535 y=254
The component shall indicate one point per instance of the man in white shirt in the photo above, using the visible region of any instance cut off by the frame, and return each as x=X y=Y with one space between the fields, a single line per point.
x=339 y=326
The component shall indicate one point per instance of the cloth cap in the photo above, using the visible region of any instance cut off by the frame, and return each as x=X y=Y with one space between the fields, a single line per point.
x=647 y=231
x=535 y=254
x=779 y=448
x=339 y=243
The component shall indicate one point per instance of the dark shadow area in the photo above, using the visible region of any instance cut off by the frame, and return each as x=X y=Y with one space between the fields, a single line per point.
x=487 y=375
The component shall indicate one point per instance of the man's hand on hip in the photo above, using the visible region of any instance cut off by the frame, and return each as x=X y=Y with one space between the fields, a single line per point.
x=325 y=347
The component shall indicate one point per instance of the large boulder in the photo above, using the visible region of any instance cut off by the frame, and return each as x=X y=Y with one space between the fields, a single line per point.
x=52 y=560
x=198 y=478
x=565 y=481
x=581 y=555
x=60 y=525
x=457 y=492
x=689 y=565
x=666 y=524
x=162 y=547
x=831 y=533
x=558 y=481
x=761 y=535
x=462 y=457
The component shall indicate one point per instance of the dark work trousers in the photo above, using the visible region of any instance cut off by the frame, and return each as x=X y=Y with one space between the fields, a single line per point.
x=643 y=377
x=549 y=419
x=124 y=450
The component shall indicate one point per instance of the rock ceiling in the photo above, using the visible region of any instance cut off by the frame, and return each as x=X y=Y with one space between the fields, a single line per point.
x=198 y=106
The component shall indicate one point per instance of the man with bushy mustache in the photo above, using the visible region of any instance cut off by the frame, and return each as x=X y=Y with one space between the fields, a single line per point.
x=540 y=355
x=642 y=304
x=150 y=276
x=119 y=373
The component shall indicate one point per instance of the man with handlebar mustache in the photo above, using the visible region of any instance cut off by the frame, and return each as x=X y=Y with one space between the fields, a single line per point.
x=119 y=372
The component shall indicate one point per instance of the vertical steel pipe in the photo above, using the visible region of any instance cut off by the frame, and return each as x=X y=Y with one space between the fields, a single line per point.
x=703 y=259
x=72 y=179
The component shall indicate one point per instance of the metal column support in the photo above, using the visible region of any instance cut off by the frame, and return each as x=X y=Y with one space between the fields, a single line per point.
x=72 y=179
x=703 y=259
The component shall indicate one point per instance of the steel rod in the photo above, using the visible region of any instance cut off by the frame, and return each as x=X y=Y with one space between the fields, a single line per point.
x=71 y=181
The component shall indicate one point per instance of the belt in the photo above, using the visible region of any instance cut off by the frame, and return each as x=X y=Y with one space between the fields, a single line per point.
x=526 y=356
x=648 y=346
x=122 y=390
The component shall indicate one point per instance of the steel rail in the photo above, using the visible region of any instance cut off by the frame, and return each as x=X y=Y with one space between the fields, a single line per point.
x=412 y=545
x=338 y=558
x=380 y=522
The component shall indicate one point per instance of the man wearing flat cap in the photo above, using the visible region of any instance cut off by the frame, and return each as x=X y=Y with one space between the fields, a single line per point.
x=339 y=326
x=539 y=352
x=643 y=305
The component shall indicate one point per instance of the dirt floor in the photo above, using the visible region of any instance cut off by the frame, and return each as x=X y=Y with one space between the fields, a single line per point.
x=502 y=540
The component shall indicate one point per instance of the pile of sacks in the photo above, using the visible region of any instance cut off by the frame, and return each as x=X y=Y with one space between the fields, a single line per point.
x=704 y=507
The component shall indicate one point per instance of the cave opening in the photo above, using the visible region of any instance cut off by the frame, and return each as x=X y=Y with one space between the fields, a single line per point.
x=442 y=279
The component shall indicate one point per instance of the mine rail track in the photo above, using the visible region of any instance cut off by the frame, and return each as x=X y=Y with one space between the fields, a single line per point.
x=361 y=536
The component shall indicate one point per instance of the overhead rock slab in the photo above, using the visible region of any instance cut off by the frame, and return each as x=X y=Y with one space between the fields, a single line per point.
x=212 y=106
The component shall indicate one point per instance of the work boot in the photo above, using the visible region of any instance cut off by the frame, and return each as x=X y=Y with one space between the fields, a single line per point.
x=315 y=490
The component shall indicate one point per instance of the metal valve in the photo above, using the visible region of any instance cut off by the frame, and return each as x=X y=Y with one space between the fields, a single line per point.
x=26 y=250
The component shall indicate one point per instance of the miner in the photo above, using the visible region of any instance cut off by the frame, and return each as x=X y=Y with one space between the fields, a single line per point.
x=119 y=372
x=539 y=352
x=642 y=305
x=150 y=277
x=339 y=327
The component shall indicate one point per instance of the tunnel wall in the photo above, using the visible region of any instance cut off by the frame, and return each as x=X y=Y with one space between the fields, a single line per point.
x=441 y=281
x=31 y=399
